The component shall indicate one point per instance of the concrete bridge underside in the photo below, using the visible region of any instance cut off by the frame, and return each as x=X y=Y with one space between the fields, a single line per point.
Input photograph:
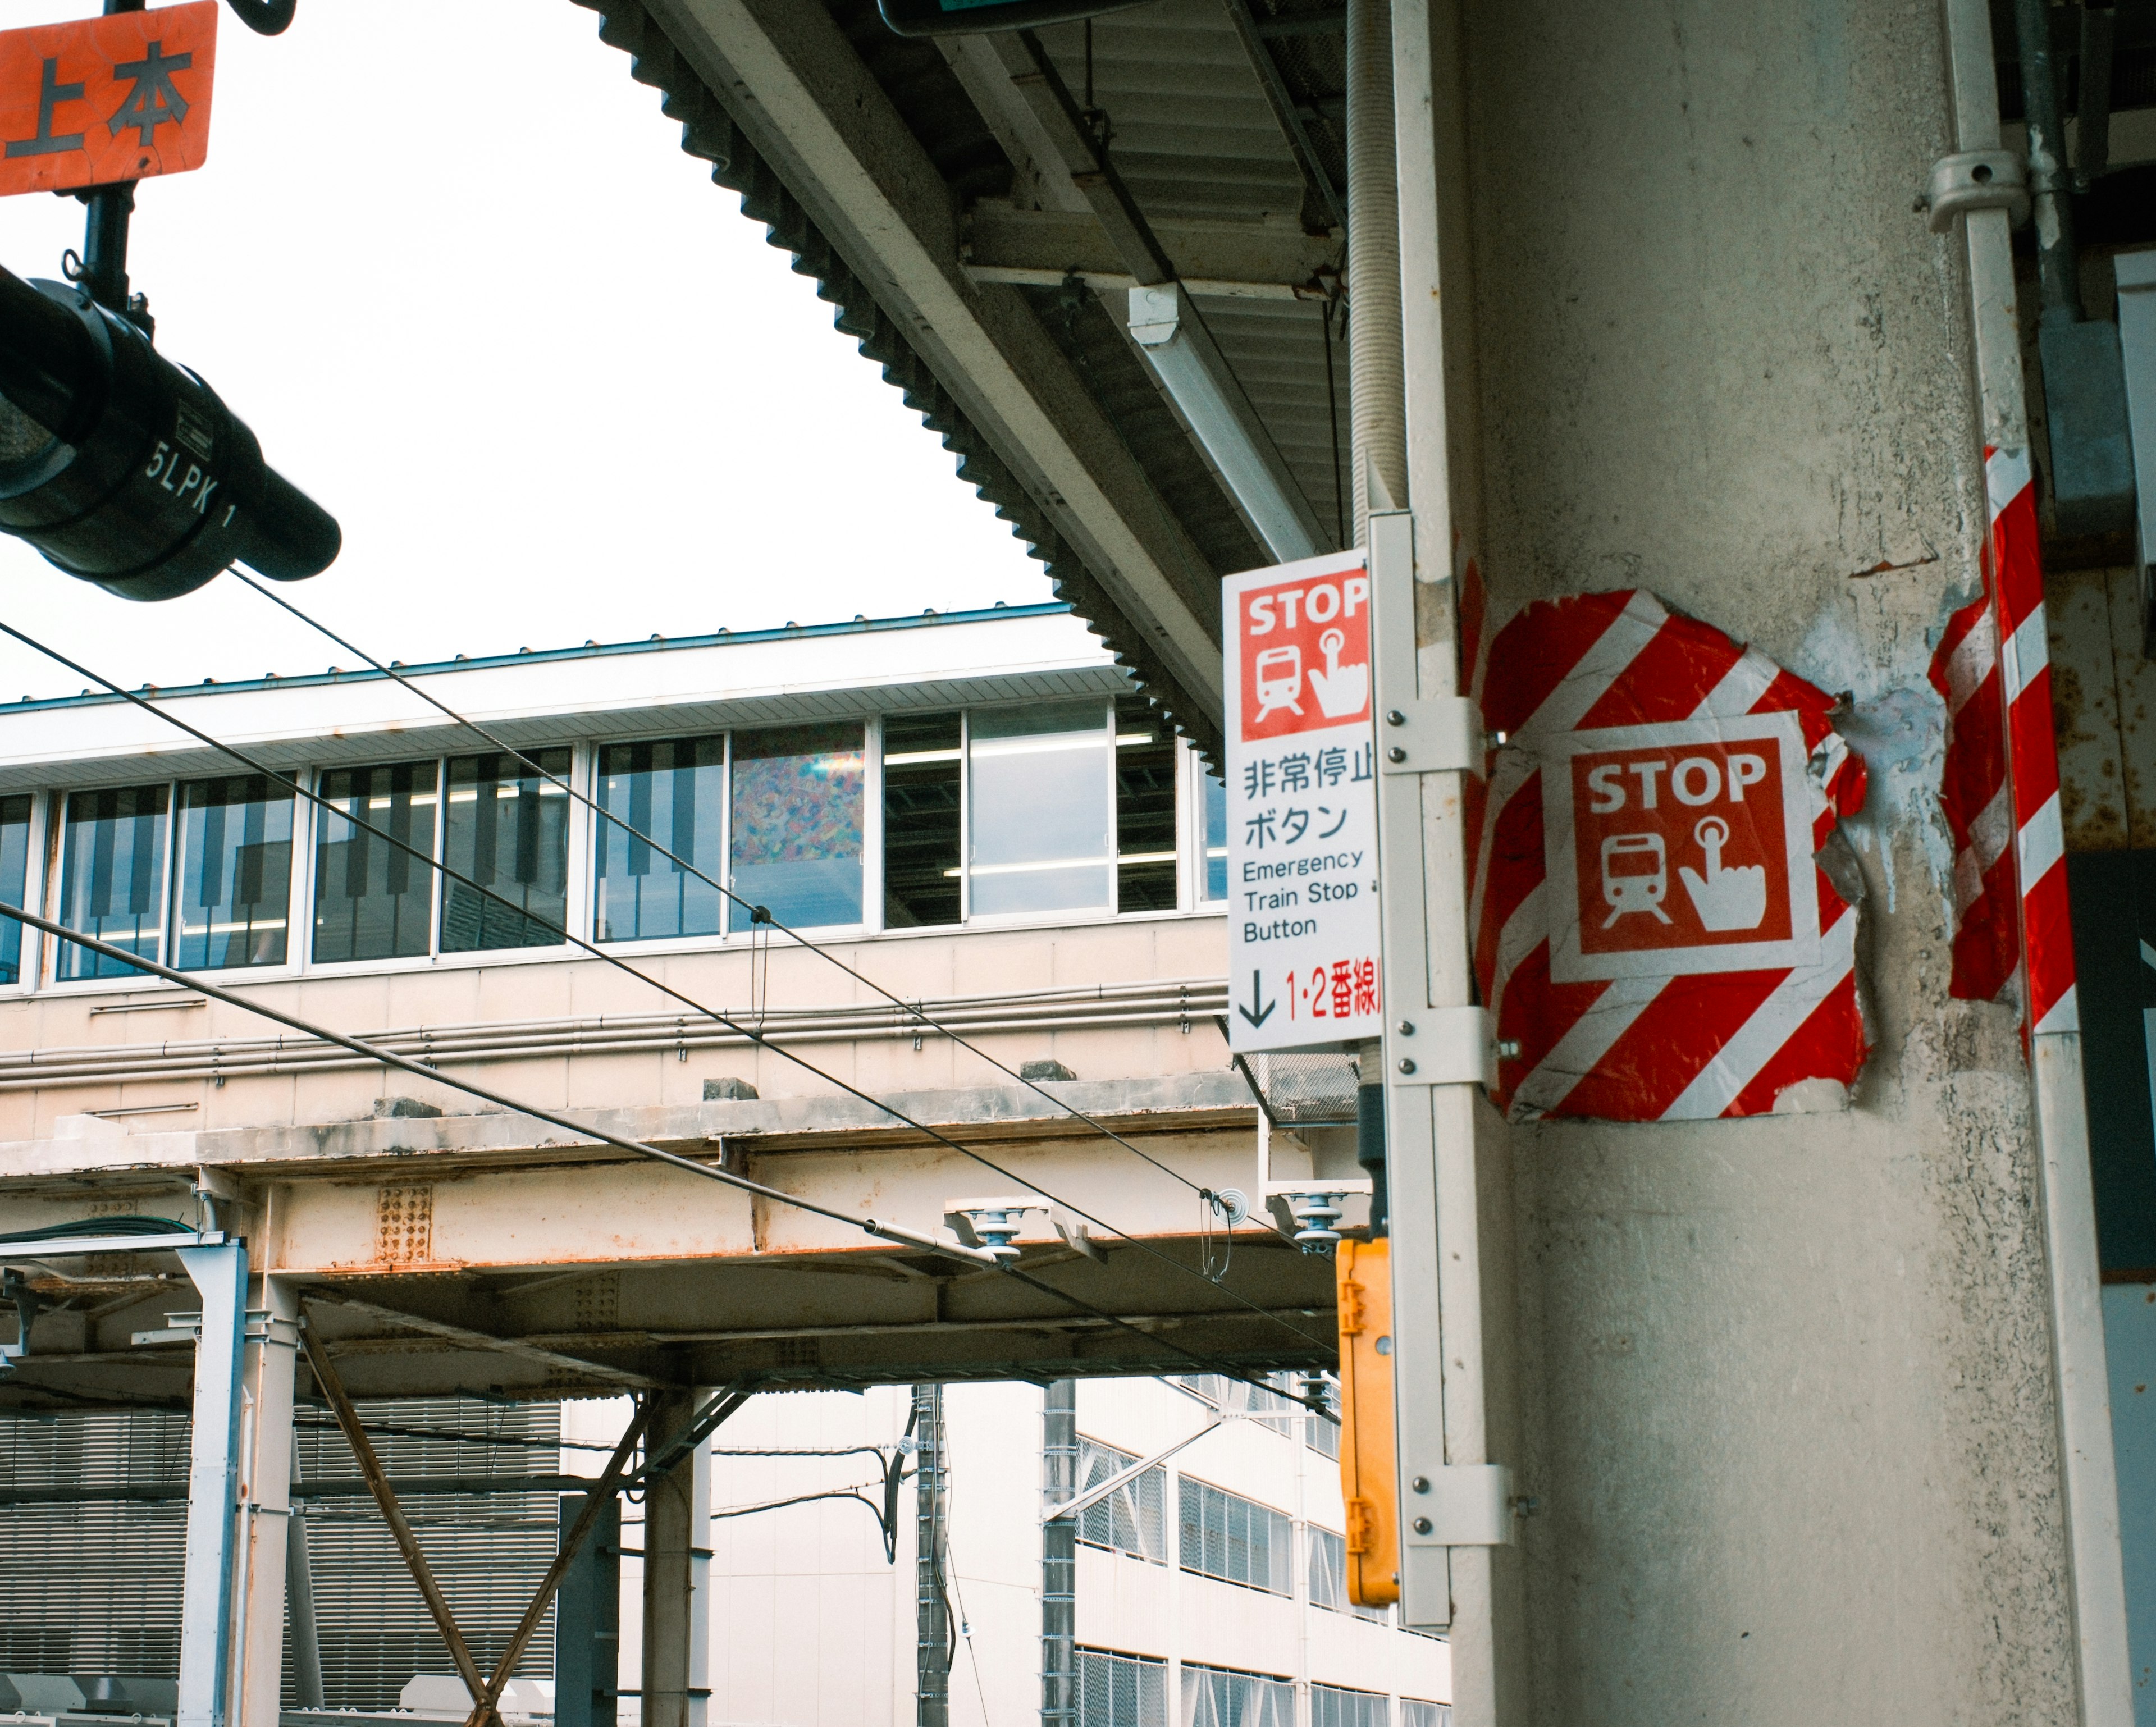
x=490 y=1253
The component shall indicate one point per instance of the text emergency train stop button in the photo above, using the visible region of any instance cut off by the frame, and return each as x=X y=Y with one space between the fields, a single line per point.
x=1302 y=806
x=1680 y=848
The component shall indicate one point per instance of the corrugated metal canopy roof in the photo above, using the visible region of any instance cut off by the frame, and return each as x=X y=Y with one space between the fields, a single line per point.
x=1224 y=119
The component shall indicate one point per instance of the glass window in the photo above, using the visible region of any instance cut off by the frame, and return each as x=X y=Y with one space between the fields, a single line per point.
x=673 y=794
x=798 y=823
x=112 y=875
x=921 y=770
x=1336 y=1706
x=1145 y=808
x=1226 y=1536
x=374 y=899
x=234 y=872
x=1121 y=1690
x=1132 y=1519
x=1328 y=1577
x=1219 y=1697
x=1415 y=1713
x=1216 y=873
x=508 y=829
x=14 y=881
x=1040 y=809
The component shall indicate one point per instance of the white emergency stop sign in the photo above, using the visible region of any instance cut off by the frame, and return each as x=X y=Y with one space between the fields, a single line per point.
x=1302 y=806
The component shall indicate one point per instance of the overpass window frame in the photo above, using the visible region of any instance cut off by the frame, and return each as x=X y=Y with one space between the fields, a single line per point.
x=1040 y=834
x=233 y=846
x=21 y=843
x=404 y=799
x=676 y=790
x=106 y=833
x=799 y=832
x=522 y=855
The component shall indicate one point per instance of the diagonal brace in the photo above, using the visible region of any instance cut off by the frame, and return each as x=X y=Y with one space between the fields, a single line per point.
x=607 y=1485
x=392 y=1514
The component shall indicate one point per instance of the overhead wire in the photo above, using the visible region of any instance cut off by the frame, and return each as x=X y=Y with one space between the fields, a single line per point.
x=760 y=916
x=889 y=1232
x=755 y=1035
x=390 y=1058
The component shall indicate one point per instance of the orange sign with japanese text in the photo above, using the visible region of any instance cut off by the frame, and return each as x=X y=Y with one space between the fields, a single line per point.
x=107 y=100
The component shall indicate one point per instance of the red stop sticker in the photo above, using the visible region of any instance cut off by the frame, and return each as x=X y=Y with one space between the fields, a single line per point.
x=1680 y=848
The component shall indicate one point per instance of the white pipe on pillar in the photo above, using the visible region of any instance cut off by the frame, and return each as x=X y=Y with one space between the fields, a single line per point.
x=2088 y=1479
x=220 y=1275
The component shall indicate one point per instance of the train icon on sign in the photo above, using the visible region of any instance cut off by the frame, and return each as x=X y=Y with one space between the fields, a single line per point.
x=1280 y=681
x=1630 y=885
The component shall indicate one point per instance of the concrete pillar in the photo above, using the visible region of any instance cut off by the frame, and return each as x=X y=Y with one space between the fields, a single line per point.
x=266 y=1501
x=677 y=1563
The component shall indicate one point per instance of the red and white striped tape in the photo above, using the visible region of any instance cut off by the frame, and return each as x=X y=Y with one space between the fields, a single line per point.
x=1694 y=1046
x=1979 y=808
x=2001 y=773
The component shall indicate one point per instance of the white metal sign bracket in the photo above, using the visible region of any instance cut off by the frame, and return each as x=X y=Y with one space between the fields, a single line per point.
x=1444 y=736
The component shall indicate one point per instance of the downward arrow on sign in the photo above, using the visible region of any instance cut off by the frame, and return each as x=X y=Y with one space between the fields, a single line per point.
x=1260 y=1010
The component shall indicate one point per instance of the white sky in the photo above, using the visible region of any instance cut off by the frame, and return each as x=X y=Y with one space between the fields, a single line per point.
x=449 y=261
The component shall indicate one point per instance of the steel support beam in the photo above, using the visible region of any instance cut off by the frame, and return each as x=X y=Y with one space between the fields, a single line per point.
x=220 y=1275
x=485 y=1340
x=266 y=1504
x=1165 y=324
x=677 y=1564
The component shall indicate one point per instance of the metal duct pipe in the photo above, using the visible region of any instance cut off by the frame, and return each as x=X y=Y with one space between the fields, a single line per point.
x=931 y=1609
x=1377 y=406
x=1376 y=387
x=2050 y=183
x=2091 y=445
x=1059 y=1557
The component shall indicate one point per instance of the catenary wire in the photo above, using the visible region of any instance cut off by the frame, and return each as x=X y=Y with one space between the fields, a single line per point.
x=888 y=1231
x=390 y=1058
x=759 y=914
x=754 y=1035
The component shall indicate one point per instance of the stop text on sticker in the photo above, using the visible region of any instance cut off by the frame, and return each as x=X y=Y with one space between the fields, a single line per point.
x=1694 y=781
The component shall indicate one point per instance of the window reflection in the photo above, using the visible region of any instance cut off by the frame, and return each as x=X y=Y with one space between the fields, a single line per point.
x=1040 y=809
x=373 y=900
x=1145 y=767
x=798 y=823
x=14 y=881
x=1216 y=833
x=234 y=872
x=922 y=773
x=508 y=830
x=672 y=793
x=112 y=878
